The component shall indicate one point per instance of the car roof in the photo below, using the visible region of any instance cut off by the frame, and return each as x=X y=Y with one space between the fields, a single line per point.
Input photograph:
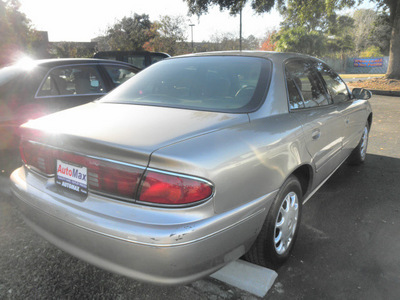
x=273 y=56
x=53 y=62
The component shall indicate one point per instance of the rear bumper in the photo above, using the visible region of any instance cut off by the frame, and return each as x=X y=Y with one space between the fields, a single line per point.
x=157 y=249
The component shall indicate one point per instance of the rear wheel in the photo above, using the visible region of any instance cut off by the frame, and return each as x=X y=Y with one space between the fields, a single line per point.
x=278 y=234
x=360 y=152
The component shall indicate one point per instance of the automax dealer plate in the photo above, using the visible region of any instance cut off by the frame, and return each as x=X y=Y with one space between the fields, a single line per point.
x=72 y=177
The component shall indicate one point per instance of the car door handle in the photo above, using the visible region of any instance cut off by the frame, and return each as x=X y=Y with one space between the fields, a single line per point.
x=316 y=134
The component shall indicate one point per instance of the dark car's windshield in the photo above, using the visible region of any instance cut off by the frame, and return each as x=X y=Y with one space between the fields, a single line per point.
x=215 y=83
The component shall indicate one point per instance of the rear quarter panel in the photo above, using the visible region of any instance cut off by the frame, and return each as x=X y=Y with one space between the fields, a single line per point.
x=244 y=162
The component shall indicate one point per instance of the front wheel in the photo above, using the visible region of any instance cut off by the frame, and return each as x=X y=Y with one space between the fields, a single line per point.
x=278 y=234
x=360 y=152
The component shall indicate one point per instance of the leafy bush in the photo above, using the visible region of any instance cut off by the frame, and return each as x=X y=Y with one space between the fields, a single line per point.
x=372 y=51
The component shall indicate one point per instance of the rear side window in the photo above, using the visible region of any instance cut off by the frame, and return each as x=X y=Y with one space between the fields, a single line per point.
x=303 y=82
x=136 y=60
x=119 y=74
x=72 y=80
x=336 y=87
x=214 y=83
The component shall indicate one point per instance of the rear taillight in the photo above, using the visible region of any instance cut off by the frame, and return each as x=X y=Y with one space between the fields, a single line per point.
x=120 y=180
x=163 y=188
x=38 y=156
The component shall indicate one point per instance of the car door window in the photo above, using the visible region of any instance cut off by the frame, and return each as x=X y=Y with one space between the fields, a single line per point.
x=303 y=80
x=119 y=74
x=336 y=87
x=293 y=86
x=72 y=80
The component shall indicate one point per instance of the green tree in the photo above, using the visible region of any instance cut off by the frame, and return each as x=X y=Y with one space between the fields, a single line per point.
x=72 y=49
x=169 y=36
x=308 y=11
x=299 y=39
x=339 y=33
x=372 y=51
x=130 y=33
x=381 y=32
x=364 y=20
x=16 y=32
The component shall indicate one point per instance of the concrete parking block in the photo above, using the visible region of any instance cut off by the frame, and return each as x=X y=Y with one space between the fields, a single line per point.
x=247 y=276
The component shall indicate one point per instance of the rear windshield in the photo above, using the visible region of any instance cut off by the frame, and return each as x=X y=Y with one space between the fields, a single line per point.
x=214 y=83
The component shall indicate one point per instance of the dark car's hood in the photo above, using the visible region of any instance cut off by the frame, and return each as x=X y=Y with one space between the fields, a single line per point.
x=115 y=130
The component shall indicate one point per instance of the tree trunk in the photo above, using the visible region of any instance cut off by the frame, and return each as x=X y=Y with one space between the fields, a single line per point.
x=393 y=70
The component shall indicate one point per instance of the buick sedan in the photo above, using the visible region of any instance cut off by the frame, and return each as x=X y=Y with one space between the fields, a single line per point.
x=195 y=162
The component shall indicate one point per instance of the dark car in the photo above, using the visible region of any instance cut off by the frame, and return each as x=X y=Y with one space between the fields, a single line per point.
x=140 y=59
x=34 y=88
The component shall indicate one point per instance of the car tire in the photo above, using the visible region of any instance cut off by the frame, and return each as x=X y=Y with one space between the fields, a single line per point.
x=278 y=234
x=359 y=153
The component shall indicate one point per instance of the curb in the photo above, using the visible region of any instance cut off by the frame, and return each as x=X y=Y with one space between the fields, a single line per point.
x=386 y=93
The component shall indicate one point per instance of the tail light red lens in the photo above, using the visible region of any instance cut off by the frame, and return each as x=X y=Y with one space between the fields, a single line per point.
x=105 y=177
x=120 y=180
x=38 y=156
x=114 y=179
x=164 y=188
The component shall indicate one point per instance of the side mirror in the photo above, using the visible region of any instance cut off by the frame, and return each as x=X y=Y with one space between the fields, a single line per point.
x=360 y=93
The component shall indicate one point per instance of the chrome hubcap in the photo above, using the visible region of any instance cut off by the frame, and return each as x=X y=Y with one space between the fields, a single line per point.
x=364 y=143
x=286 y=223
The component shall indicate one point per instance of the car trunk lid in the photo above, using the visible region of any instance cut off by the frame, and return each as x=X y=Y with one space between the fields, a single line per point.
x=127 y=133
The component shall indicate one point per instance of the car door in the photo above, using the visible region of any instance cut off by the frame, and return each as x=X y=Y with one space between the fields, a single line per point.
x=67 y=86
x=16 y=102
x=352 y=110
x=322 y=122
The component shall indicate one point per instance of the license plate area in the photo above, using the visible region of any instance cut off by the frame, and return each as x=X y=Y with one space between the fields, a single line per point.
x=72 y=177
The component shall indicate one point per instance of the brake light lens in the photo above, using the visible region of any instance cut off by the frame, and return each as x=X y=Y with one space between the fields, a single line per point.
x=164 y=188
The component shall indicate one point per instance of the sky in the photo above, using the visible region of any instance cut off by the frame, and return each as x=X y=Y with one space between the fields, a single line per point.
x=82 y=20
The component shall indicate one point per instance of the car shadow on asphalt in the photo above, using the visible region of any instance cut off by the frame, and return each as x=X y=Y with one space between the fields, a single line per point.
x=348 y=242
x=9 y=161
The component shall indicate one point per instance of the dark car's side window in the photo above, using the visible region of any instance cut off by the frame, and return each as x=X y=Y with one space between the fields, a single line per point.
x=72 y=80
x=335 y=85
x=136 y=60
x=303 y=80
x=119 y=74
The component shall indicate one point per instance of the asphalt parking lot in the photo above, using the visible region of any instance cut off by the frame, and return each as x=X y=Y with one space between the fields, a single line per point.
x=348 y=245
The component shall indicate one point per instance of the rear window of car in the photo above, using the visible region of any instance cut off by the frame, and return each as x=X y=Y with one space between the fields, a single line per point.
x=213 y=83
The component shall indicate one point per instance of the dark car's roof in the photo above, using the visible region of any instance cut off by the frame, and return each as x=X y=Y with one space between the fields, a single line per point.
x=52 y=62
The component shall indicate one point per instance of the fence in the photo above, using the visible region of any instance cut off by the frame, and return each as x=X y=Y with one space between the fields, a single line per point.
x=355 y=65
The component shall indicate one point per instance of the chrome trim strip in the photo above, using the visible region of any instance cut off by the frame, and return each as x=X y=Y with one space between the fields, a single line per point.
x=181 y=175
x=70 y=95
x=322 y=183
x=88 y=156
x=229 y=213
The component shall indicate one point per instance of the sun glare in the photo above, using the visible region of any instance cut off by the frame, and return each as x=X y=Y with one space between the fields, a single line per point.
x=26 y=63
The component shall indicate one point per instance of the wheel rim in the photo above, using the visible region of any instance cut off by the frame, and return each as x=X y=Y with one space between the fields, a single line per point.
x=364 y=143
x=286 y=223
